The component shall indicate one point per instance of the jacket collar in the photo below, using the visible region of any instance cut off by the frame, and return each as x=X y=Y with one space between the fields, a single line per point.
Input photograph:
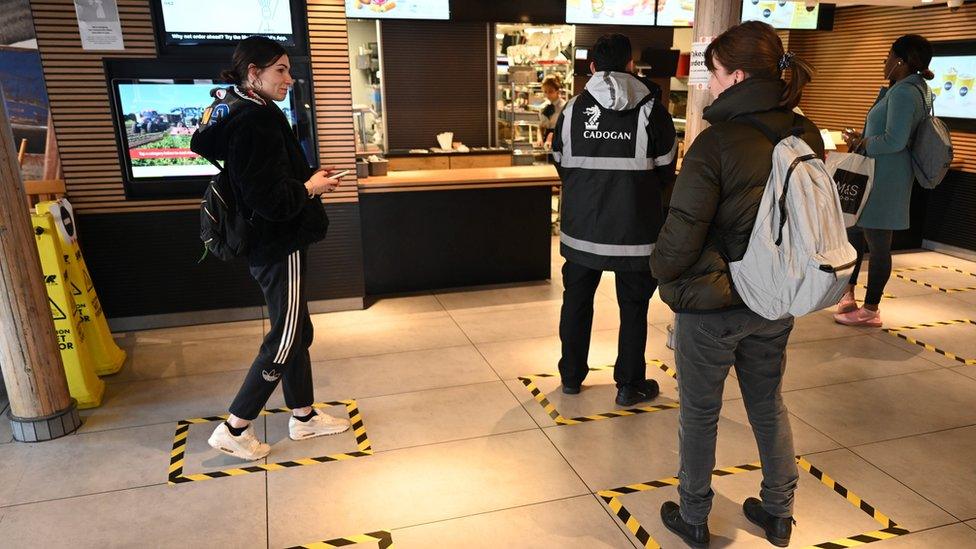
x=750 y=96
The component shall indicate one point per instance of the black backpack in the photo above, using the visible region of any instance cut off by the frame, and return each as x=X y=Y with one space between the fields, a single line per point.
x=224 y=229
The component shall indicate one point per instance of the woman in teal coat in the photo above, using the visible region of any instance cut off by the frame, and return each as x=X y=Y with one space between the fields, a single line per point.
x=887 y=134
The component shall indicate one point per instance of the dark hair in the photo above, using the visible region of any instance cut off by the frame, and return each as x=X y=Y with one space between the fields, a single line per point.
x=553 y=82
x=612 y=52
x=916 y=51
x=754 y=48
x=257 y=50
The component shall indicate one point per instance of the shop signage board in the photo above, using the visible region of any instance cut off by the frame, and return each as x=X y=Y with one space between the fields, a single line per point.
x=99 y=25
x=698 y=73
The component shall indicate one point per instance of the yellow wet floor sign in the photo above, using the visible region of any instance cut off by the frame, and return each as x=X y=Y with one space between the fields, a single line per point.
x=83 y=384
x=106 y=356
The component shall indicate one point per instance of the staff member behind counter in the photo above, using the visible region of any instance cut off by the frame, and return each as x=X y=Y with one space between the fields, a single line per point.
x=552 y=87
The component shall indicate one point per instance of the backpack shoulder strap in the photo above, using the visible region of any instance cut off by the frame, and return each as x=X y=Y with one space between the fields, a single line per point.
x=218 y=166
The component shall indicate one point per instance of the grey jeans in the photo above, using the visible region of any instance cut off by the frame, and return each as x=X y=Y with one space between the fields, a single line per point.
x=706 y=346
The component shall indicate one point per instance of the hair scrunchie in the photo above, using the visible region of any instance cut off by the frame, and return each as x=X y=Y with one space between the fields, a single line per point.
x=786 y=61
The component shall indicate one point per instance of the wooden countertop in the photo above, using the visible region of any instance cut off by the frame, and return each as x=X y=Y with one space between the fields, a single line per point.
x=466 y=178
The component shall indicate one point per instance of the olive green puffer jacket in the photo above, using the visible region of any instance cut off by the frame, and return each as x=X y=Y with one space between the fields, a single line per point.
x=717 y=194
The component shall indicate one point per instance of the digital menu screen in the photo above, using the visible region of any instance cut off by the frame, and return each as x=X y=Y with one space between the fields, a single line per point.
x=158 y=119
x=675 y=13
x=781 y=14
x=953 y=86
x=610 y=12
x=188 y=22
x=398 y=9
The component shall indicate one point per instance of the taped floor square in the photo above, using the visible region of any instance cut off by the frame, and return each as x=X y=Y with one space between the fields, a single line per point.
x=898 y=332
x=178 y=454
x=889 y=528
x=550 y=408
x=382 y=538
x=909 y=278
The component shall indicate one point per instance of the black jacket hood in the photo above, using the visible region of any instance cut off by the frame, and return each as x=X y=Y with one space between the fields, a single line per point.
x=230 y=104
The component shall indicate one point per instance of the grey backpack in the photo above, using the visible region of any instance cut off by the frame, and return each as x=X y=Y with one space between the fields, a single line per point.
x=931 y=148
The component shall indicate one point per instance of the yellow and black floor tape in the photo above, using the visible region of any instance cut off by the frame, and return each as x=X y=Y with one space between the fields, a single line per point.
x=897 y=273
x=382 y=538
x=550 y=408
x=928 y=346
x=884 y=295
x=178 y=454
x=889 y=528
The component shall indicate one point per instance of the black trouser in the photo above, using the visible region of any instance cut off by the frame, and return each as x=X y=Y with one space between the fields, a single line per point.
x=284 y=353
x=878 y=242
x=634 y=290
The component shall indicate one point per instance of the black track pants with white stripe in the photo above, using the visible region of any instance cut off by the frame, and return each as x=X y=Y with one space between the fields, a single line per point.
x=284 y=353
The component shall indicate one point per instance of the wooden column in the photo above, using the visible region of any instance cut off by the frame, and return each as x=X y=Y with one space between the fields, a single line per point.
x=712 y=18
x=40 y=406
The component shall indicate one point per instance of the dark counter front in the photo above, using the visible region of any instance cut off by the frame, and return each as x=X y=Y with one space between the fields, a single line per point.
x=427 y=230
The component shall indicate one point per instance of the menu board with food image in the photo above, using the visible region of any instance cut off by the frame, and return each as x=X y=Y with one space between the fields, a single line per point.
x=398 y=9
x=610 y=12
x=781 y=14
x=953 y=86
x=675 y=13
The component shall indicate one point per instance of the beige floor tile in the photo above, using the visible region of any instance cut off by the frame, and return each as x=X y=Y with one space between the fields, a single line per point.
x=416 y=486
x=820 y=326
x=958 y=339
x=886 y=494
x=821 y=514
x=168 y=400
x=577 y=522
x=927 y=258
x=972 y=524
x=956 y=536
x=149 y=360
x=218 y=513
x=947 y=278
x=968 y=371
x=393 y=373
x=881 y=409
x=82 y=464
x=597 y=396
x=621 y=451
x=502 y=323
x=524 y=293
x=384 y=308
x=895 y=289
x=201 y=458
x=409 y=332
x=521 y=357
x=939 y=466
x=819 y=363
x=442 y=415
x=920 y=309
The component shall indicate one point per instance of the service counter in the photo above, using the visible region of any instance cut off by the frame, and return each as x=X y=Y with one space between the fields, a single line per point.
x=488 y=157
x=432 y=229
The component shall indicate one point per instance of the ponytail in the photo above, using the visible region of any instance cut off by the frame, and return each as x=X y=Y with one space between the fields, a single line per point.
x=801 y=74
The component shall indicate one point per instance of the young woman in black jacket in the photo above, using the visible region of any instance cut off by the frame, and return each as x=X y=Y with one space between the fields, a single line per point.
x=281 y=198
x=712 y=212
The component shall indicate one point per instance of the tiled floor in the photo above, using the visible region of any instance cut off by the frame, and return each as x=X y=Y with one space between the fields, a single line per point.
x=464 y=456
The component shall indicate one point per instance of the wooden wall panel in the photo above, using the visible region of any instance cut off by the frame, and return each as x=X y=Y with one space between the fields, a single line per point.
x=436 y=79
x=849 y=62
x=80 y=100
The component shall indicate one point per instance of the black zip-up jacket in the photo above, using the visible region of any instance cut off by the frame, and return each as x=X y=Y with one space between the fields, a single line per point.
x=717 y=194
x=268 y=171
x=615 y=147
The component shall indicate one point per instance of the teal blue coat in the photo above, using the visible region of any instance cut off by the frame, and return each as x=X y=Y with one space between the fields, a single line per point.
x=889 y=128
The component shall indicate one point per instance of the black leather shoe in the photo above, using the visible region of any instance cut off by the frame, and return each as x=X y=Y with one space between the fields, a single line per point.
x=778 y=530
x=571 y=389
x=695 y=535
x=630 y=395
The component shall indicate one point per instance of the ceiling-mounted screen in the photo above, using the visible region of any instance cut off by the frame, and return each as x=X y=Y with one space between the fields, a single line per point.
x=610 y=12
x=398 y=9
x=675 y=13
x=782 y=14
x=223 y=22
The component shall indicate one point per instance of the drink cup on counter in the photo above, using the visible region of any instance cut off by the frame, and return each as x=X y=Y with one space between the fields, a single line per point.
x=444 y=140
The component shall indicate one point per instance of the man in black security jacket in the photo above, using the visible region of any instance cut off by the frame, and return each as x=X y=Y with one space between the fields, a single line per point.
x=615 y=151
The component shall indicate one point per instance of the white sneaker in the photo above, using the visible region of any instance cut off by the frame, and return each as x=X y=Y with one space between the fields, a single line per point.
x=321 y=424
x=246 y=447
